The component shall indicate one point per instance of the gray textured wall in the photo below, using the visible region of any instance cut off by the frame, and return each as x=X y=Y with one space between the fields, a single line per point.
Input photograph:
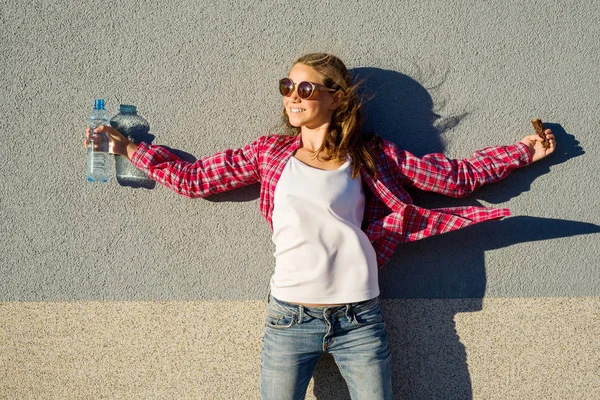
x=450 y=76
x=204 y=75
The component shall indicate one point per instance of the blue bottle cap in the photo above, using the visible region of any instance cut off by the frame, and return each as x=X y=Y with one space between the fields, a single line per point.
x=127 y=109
x=99 y=104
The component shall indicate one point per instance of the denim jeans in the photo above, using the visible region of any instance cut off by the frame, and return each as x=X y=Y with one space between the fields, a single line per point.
x=296 y=336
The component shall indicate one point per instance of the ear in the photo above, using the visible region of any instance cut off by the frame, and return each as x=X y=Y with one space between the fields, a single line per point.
x=337 y=99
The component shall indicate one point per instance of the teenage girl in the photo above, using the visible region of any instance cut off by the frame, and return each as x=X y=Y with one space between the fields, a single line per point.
x=335 y=201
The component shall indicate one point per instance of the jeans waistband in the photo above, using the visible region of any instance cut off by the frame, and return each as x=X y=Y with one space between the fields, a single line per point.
x=324 y=310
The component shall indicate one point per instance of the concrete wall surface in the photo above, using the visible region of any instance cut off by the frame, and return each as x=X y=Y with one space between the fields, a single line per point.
x=545 y=348
x=109 y=291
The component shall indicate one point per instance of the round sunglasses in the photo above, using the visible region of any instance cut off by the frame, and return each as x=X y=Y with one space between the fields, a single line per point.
x=305 y=89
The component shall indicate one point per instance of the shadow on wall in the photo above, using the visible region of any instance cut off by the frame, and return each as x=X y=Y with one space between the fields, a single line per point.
x=429 y=361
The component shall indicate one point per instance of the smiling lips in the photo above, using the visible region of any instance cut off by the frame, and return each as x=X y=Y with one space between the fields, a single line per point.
x=296 y=110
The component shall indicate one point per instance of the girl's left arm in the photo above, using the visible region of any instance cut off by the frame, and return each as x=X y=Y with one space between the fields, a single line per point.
x=458 y=178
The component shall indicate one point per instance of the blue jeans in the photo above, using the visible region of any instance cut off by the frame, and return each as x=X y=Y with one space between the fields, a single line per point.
x=295 y=337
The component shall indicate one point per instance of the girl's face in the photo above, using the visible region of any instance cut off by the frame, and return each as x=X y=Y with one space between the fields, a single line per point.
x=310 y=113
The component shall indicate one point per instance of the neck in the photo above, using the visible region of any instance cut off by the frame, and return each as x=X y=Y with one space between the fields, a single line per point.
x=312 y=139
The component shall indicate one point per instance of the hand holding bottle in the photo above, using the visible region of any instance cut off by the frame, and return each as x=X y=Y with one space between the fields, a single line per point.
x=119 y=144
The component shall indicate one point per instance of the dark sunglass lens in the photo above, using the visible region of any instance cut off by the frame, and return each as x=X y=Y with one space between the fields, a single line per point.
x=305 y=90
x=286 y=86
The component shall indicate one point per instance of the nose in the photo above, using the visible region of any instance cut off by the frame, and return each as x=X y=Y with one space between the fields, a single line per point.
x=294 y=95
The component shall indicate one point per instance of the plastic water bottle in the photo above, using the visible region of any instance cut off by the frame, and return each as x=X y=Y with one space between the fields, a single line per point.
x=98 y=160
x=136 y=129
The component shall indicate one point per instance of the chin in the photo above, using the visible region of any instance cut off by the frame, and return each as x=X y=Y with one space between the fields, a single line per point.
x=295 y=124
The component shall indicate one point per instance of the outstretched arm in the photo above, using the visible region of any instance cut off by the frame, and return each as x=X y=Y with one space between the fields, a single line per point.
x=458 y=178
x=218 y=173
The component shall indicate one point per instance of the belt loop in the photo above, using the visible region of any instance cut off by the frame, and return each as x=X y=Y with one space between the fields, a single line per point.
x=348 y=306
x=300 y=314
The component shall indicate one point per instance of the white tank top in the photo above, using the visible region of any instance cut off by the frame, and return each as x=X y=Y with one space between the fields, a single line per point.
x=322 y=255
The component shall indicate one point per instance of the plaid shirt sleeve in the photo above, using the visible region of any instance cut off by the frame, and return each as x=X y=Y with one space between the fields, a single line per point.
x=218 y=173
x=458 y=178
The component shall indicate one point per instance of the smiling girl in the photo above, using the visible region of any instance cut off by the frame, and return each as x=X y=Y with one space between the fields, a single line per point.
x=336 y=202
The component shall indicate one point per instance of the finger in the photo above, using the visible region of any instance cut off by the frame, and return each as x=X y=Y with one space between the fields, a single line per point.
x=535 y=138
x=103 y=129
x=106 y=129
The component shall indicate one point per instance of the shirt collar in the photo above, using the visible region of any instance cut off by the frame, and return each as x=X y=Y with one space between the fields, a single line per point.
x=298 y=142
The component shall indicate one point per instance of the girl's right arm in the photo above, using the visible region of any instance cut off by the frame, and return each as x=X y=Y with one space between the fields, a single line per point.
x=223 y=171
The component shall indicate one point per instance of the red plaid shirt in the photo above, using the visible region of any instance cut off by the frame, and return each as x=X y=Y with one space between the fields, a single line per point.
x=390 y=215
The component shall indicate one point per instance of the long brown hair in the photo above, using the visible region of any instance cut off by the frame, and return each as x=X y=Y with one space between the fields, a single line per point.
x=345 y=136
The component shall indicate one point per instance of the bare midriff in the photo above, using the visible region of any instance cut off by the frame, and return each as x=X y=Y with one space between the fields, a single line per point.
x=318 y=305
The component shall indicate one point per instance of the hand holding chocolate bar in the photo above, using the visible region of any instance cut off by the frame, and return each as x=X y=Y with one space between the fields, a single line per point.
x=541 y=144
x=539 y=129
